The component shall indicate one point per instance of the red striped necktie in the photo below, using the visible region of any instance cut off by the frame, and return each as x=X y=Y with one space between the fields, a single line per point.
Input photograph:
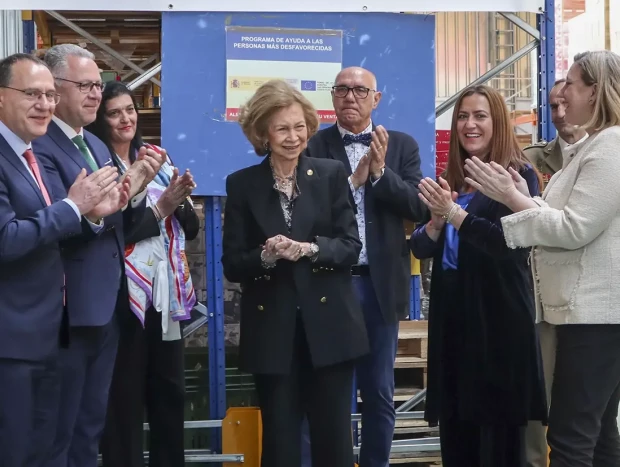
x=34 y=167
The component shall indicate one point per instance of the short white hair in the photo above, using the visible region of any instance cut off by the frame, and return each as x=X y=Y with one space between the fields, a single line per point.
x=56 y=57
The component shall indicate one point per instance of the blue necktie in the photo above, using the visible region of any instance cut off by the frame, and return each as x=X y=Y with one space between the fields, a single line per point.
x=364 y=138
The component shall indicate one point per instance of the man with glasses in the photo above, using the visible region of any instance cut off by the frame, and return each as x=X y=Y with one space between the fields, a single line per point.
x=94 y=266
x=34 y=219
x=384 y=173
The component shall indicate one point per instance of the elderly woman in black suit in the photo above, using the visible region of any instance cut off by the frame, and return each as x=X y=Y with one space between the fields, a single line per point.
x=290 y=239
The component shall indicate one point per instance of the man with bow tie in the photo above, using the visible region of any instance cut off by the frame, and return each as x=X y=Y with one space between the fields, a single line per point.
x=384 y=173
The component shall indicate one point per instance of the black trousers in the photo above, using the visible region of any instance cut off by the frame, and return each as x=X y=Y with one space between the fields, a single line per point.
x=583 y=430
x=149 y=374
x=323 y=394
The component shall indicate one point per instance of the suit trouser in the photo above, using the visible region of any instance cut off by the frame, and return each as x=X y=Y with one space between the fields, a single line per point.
x=374 y=373
x=29 y=394
x=323 y=395
x=149 y=373
x=536 y=448
x=86 y=372
x=583 y=430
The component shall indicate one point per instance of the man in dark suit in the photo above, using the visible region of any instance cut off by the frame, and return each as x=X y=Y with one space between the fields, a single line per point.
x=33 y=220
x=384 y=172
x=93 y=267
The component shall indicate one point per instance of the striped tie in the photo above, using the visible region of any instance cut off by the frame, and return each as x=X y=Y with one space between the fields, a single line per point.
x=34 y=167
x=81 y=144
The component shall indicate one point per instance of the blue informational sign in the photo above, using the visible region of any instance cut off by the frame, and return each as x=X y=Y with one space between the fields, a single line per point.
x=206 y=77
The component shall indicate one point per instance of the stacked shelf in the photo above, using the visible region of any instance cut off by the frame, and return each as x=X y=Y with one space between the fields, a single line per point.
x=410 y=375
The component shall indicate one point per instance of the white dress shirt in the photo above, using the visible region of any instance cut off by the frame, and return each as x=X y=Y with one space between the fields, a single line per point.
x=355 y=152
x=20 y=147
x=71 y=133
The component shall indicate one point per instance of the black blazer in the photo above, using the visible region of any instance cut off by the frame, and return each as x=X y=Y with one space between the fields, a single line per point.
x=322 y=290
x=393 y=199
x=500 y=377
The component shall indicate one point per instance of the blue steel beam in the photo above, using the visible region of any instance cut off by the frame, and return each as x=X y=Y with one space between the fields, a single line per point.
x=546 y=70
x=215 y=307
x=29 y=35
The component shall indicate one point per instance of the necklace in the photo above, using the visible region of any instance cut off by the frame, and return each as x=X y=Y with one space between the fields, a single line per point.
x=284 y=183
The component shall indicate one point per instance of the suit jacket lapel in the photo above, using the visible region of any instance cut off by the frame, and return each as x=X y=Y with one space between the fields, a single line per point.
x=335 y=147
x=303 y=213
x=98 y=157
x=14 y=159
x=264 y=201
x=59 y=137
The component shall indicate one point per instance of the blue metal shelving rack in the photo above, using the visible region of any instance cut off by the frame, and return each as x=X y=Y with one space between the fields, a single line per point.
x=213 y=225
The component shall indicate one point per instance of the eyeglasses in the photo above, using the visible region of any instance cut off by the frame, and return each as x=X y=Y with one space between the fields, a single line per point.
x=358 y=91
x=84 y=87
x=34 y=94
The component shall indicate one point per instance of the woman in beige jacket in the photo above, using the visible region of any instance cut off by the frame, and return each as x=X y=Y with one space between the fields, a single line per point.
x=575 y=231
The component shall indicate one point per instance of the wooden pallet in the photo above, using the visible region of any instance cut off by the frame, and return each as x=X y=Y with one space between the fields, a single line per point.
x=410 y=377
x=401 y=394
x=414 y=427
x=413 y=339
x=412 y=353
x=425 y=461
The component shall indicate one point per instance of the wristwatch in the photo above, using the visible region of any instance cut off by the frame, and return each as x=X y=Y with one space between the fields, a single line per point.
x=314 y=250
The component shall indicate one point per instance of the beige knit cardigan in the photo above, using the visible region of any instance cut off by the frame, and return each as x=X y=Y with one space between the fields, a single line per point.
x=575 y=233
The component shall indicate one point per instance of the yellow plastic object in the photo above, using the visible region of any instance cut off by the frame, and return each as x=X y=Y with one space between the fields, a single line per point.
x=242 y=433
x=415 y=266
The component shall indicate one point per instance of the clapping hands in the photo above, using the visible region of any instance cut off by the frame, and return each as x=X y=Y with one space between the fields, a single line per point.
x=281 y=247
x=180 y=187
x=494 y=181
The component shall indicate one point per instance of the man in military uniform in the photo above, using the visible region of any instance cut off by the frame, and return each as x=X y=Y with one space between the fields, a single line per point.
x=547 y=157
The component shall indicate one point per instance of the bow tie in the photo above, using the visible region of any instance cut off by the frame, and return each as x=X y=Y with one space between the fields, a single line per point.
x=364 y=138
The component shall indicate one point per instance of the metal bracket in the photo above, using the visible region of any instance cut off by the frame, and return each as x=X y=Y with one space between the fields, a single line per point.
x=98 y=43
x=444 y=106
x=519 y=22
x=197 y=323
x=140 y=80
x=146 y=62
x=497 y=69
x=411 y=403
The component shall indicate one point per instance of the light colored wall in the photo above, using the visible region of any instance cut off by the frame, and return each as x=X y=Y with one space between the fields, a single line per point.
x=11 y=32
